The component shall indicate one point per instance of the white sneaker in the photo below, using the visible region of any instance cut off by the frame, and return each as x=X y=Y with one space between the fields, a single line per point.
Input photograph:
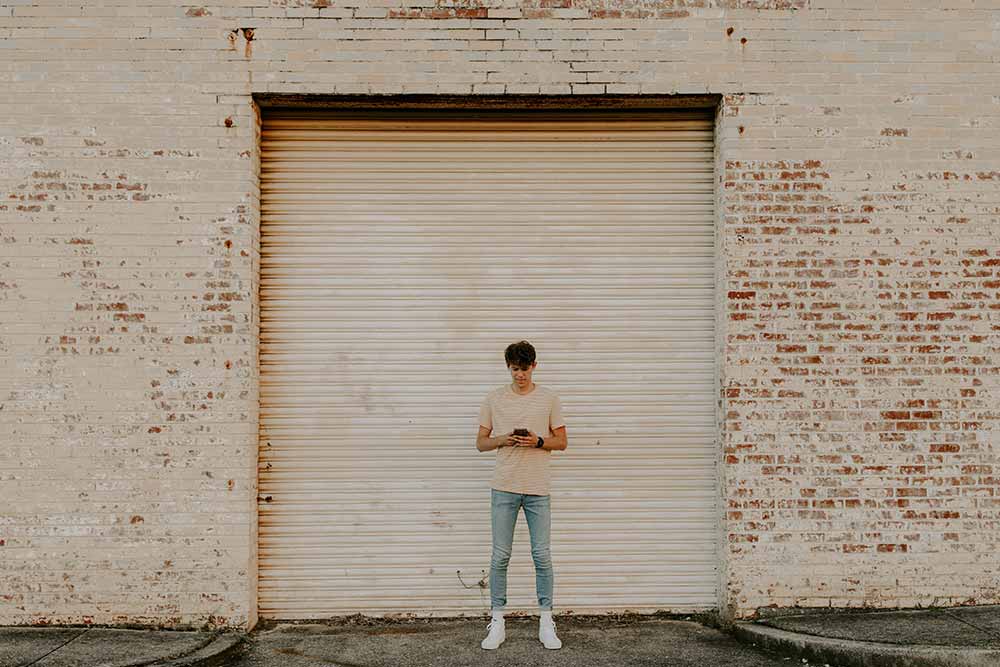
x=547 y=633
x=496 y=634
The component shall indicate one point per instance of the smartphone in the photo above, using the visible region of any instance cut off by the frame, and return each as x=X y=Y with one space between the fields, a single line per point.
x=520 y=431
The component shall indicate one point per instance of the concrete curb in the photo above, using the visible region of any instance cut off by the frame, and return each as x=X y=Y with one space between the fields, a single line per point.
x=216 y=653
x=850 y=653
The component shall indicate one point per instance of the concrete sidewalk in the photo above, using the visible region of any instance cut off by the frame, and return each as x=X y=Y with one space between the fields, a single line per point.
x=935 y=637
x=952 y=637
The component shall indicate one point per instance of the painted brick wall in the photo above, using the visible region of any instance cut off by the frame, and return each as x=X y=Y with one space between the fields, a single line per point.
x=859 y=277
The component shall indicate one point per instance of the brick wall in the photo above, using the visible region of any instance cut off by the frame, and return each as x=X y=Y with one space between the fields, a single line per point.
x=859 y=277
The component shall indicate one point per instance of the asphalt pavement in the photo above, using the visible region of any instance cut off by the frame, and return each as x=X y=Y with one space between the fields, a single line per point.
x=587 y=641
x=966 y=636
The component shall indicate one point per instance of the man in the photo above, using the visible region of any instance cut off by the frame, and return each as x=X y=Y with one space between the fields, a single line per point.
x=529 y=417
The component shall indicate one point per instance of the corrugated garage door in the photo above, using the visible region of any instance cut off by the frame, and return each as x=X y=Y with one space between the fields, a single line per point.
x=400 y=254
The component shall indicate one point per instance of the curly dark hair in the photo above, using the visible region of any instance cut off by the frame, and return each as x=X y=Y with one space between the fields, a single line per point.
x=520 y=354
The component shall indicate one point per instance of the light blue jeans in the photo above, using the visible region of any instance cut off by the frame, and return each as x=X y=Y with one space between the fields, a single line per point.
x=503 y=511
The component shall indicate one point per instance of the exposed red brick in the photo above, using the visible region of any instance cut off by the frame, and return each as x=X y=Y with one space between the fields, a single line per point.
x=440 y=13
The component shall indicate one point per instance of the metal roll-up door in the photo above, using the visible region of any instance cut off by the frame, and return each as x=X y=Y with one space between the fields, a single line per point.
x=401 y=252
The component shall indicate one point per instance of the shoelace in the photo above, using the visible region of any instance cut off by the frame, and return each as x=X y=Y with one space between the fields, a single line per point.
x=493 y=624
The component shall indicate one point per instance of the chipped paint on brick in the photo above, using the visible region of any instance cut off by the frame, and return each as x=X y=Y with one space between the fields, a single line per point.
x=464 y=12
x=651 y=9
x=831 y=303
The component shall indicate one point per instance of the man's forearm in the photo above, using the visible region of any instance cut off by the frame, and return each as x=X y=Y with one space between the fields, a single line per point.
x=554 y=442
x=487 y=444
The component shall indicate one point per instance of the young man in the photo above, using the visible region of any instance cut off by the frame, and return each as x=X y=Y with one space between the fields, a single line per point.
x=529 y=417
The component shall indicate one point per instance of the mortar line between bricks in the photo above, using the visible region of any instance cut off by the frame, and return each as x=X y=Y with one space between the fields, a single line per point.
x=73 y=638
x=973 y=625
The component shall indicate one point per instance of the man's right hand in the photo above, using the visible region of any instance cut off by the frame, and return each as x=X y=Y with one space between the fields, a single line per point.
x=507 y=440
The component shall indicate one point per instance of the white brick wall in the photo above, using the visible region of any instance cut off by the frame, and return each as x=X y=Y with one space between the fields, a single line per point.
x=859 y=277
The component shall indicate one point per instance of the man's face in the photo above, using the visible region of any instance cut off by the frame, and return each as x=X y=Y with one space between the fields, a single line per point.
x=522 y=374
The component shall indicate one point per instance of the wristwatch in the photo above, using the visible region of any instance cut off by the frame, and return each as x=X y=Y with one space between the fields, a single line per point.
x=540 y=442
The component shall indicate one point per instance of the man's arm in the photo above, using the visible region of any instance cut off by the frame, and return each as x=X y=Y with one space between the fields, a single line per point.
x=485 y=443
x=558 y=440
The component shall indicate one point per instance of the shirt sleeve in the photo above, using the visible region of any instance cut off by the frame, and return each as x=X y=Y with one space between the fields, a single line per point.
x=486 y=414
x=555 y=415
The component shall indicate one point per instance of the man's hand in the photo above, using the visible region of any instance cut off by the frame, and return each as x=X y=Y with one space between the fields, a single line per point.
x=529 y=440
x=485 y=443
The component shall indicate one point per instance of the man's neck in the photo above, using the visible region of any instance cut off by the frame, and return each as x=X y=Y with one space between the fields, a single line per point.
x=528 y=391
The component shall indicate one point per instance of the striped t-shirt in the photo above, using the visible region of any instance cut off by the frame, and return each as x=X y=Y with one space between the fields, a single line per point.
x=522 y=469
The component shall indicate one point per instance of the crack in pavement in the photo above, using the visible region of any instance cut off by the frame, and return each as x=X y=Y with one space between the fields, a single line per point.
x=988 y=631
x=73 y=638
